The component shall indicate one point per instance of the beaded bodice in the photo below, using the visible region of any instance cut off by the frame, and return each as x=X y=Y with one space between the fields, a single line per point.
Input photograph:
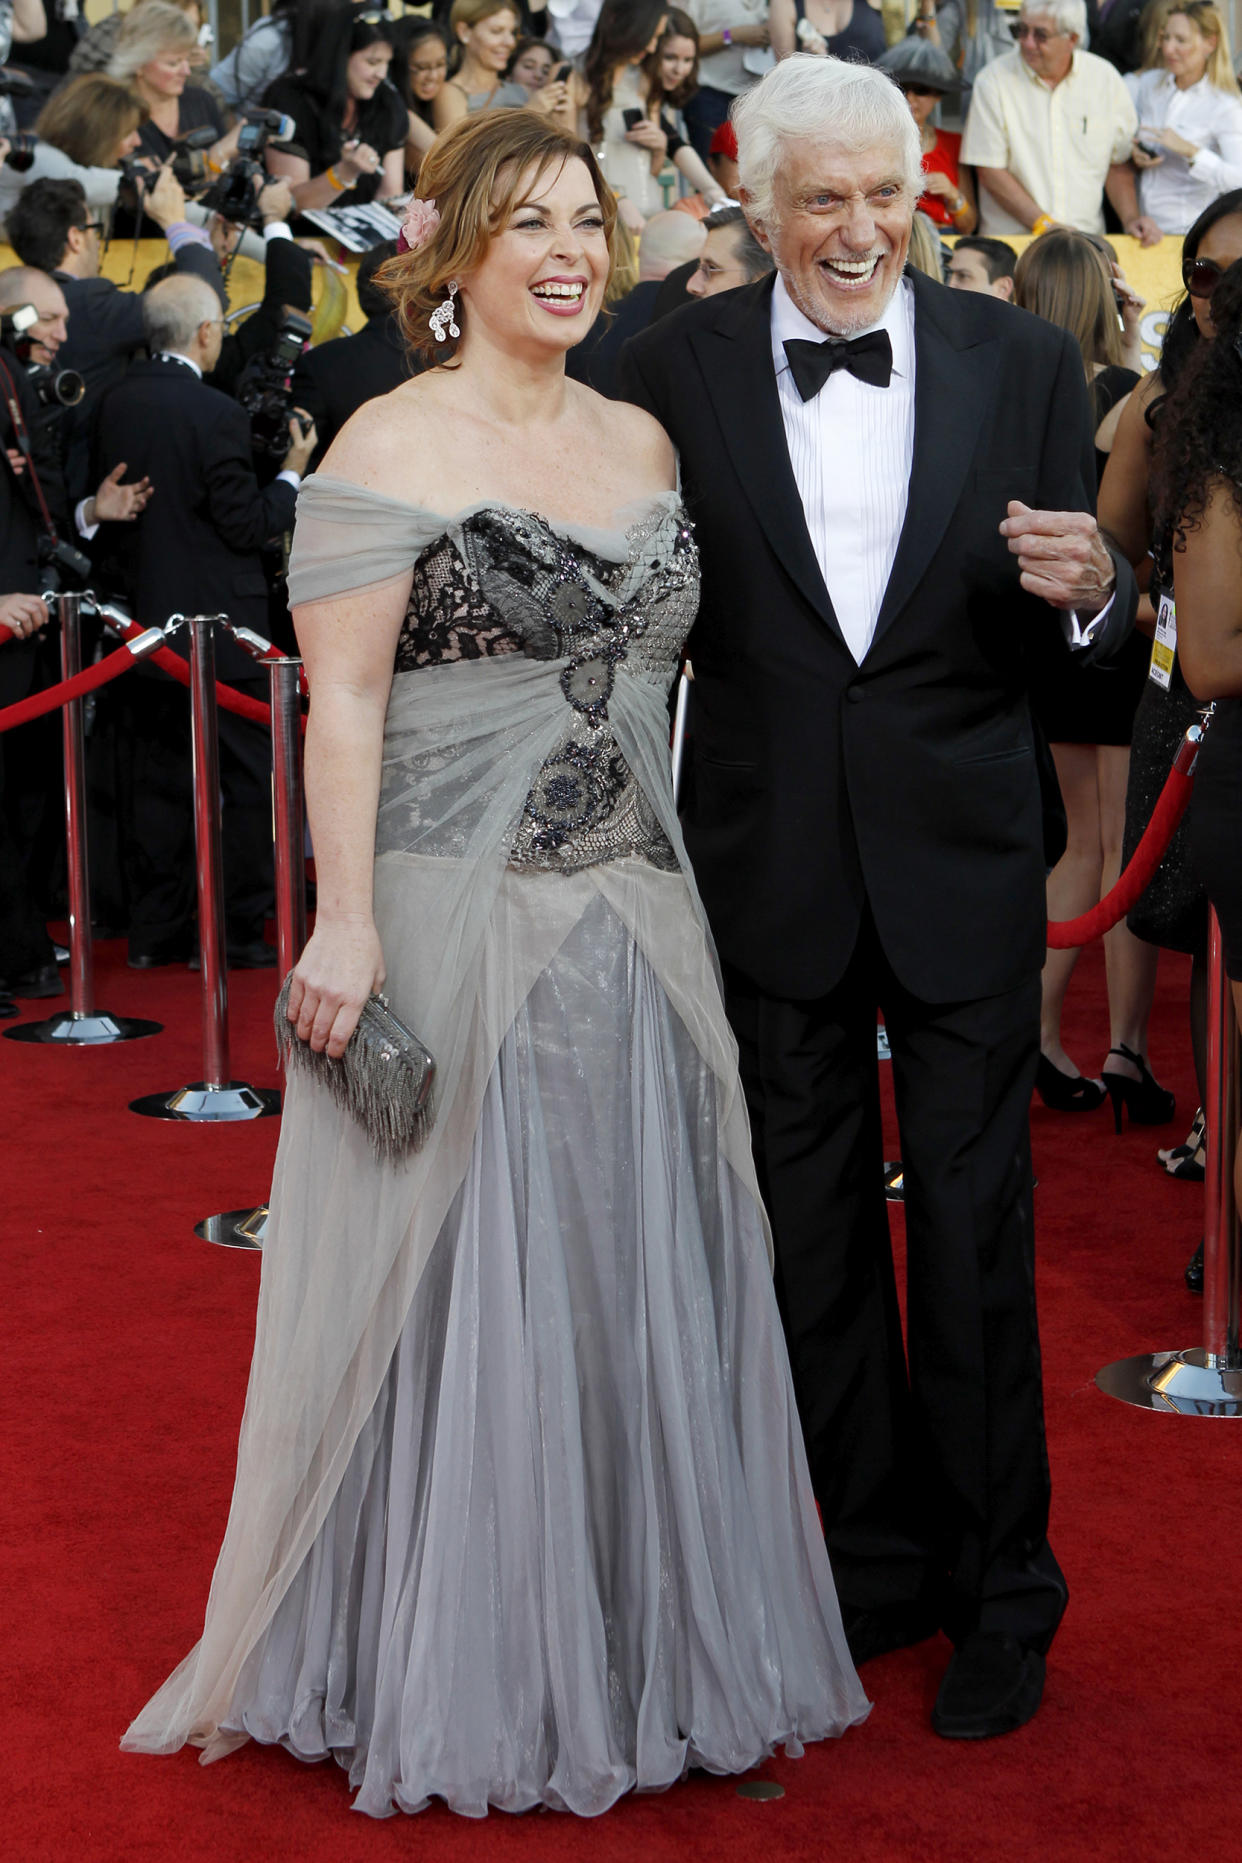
x=507 y=582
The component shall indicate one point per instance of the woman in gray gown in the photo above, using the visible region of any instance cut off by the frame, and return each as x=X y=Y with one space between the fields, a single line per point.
x=522 y=1514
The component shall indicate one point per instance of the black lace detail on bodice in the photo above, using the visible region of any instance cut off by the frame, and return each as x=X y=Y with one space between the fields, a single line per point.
x=507 y=582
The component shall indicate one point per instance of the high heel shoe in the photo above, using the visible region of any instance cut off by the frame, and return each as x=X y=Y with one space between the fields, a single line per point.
x=1186 y=1161
x=1146 y=1101
x=1066 y=1093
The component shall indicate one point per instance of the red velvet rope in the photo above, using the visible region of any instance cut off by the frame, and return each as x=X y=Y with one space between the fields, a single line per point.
x=228 y=699
x=88 y=680
x=1168 y=812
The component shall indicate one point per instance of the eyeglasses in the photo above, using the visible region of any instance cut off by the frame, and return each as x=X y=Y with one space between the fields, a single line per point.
x=1201 y=276
x=1039 y=34
x=918 y=90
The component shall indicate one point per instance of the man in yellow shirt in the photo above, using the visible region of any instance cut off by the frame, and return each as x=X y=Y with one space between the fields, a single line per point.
x=1049 y=128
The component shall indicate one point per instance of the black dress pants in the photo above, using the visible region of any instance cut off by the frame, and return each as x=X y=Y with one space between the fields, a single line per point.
x=155 y=808
x=929 y=1465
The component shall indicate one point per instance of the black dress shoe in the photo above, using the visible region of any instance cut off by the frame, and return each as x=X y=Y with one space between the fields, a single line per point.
x=44 y=980
x=877 y=1633
x=158 y=956
x=8 y=1007
x=256 y=956
x=992 y=1686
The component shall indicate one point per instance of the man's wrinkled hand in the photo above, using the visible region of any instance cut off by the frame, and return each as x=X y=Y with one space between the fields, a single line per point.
x=1062 y=557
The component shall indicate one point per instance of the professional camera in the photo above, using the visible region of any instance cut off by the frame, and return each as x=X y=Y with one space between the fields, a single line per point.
x=263 y=389
x=235 y=195
x=53 y=387
x=62 y=388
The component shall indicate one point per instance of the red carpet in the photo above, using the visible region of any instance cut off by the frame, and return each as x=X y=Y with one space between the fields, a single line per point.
x=125 y=1359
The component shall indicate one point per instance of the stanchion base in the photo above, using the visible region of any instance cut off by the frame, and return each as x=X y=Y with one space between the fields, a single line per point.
x=235 y=1228
x=68 y=1030
x=1195 y=1383
x=209 y=1105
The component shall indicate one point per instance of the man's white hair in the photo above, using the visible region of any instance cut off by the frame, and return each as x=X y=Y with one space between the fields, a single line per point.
x=853 y=106
x=1069 y=15
x=173 y=310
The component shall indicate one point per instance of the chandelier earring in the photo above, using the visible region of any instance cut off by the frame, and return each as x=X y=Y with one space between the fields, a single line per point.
x=443 y=319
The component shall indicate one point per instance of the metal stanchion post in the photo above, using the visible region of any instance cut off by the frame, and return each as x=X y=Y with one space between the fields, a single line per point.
x=1205 y=1381
x=82 y=1025
x=248 y=1228
x=217 y=1097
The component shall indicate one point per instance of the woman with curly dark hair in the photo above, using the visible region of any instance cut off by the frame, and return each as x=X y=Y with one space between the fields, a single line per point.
x=1172 y=911
x=1197 y=497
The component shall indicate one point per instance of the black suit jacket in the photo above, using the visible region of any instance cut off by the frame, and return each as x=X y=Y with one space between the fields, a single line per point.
x=594 y=360
x=908 y=783
x=332 y=382
x=20 y=525
x=105 y=330
x=195 y=549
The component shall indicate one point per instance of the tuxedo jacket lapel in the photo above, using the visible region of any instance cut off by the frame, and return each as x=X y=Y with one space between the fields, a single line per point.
x=953 y=372
x=735 y=354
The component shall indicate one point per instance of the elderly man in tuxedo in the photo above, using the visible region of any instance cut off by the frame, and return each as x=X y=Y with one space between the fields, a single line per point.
x=889 y=482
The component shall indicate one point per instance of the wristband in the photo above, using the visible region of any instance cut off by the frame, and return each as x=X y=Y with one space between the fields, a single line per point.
x=726 y=36
x=339 y=186
x=1042 y=223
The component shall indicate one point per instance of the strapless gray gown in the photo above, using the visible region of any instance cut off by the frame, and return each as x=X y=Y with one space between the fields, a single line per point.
x=522 y=1513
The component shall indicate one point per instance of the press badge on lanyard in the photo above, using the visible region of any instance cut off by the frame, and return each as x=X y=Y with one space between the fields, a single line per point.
x=1164 y=647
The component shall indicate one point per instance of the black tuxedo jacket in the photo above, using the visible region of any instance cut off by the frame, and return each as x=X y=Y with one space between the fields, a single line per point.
x=908 y=783
x=333 y=381
x=195 y=549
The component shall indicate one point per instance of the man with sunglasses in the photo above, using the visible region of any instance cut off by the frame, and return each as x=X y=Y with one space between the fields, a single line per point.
x=1049 y=128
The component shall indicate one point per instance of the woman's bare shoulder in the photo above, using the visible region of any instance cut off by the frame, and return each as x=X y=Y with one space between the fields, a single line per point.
x=632 y=434
x=374 y=447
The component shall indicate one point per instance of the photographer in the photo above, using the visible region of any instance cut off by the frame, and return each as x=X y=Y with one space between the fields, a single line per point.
x=52 y=228
x=199 y=553
x=84 y=130
x=27 y=958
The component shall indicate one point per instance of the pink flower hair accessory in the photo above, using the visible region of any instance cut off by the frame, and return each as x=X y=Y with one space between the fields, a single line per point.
x=419 y=226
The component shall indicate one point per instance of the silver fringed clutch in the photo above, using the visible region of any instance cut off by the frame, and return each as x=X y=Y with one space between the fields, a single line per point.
x=384 y=1079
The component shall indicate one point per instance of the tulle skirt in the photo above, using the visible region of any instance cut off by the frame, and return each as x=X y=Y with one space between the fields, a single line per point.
x=575 y=1550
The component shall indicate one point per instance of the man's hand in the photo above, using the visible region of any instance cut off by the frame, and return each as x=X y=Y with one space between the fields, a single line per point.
x=1145 y=230
x=1062 y=557
x=165 y=201
x=16 y=460
x=115 y=503
x=302 y=445
x=23 y=615
x=275 y=201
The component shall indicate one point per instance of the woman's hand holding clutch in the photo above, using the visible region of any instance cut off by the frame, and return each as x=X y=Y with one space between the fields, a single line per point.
x=341 y=967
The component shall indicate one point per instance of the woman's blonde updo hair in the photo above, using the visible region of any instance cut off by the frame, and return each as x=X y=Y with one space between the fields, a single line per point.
x=474 y=173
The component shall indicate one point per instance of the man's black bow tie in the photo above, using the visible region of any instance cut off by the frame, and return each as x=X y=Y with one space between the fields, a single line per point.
x=869 y=357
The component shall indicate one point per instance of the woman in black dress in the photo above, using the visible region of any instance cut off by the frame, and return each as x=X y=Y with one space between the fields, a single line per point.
x=1172 y=912
x=850 y=29
x=351 y=122
x=1197 y=487
x=1087 y=716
